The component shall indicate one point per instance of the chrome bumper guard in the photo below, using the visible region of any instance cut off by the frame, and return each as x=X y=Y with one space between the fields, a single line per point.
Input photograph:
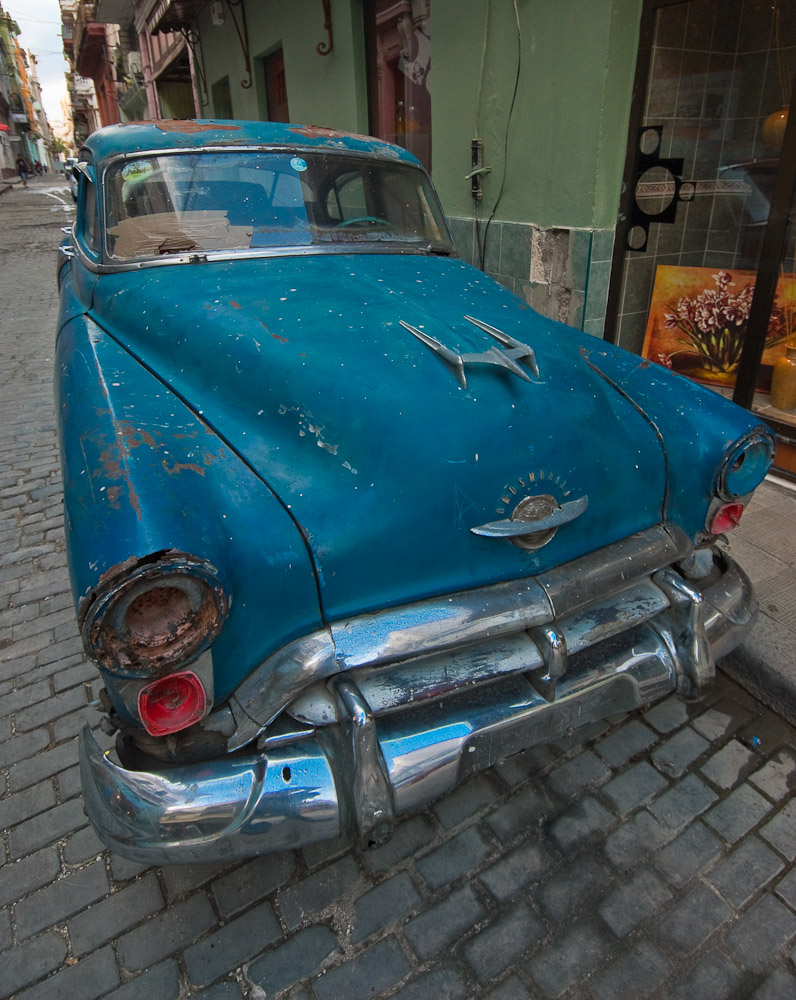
x=384 y=756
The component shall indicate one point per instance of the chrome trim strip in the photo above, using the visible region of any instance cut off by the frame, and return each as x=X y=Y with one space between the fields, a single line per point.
x=212 y=256
x=446 y=622
x=575 y=584
x=263 y=147
x=430 y=755
x=303 y=793
x=209 y=810
x=279 y=679
x=392 y=687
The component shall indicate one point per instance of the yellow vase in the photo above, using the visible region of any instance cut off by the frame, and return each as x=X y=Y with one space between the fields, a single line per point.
x=783 y=381
x=773 y=131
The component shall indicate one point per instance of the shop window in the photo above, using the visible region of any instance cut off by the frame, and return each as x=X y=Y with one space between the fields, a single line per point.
x=276 y=87
x=398 y=42
x=705 y=158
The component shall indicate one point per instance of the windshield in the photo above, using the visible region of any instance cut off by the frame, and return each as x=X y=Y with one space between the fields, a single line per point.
x=221 y=201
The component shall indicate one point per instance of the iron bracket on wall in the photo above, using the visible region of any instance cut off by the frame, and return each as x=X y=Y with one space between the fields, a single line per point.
x=325 y=48
x=192 y=41
x=242 y=29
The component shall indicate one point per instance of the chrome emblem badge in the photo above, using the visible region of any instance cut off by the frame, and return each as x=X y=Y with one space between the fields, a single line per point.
x=530 y=510
x=534 y=521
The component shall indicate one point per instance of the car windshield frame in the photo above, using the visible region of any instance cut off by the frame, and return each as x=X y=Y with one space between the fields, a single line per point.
x=162 y=206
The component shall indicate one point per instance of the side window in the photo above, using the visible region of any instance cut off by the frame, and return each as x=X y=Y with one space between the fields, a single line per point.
x=89 y=225
x=346 y=198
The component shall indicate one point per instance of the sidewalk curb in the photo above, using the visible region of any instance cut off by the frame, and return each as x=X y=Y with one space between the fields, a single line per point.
x=763 y=664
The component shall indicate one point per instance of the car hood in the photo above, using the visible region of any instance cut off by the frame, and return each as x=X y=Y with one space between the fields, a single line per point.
x=325 y=374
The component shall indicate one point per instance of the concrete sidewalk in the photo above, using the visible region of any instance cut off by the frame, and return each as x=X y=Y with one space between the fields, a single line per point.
x=13 y=182
x=765 y=545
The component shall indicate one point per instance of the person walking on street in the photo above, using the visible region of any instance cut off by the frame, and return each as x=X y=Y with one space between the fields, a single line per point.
x=22 y=170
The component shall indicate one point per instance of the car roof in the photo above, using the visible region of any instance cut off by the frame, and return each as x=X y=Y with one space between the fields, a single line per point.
x=135 y=137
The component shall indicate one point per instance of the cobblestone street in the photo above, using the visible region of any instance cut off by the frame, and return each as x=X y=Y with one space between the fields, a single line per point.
x=648 y=858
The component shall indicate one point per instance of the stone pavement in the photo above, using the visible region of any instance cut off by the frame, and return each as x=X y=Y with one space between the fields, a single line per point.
x=652 y=857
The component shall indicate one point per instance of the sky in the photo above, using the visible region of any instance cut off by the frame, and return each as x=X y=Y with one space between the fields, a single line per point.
x=40 y=33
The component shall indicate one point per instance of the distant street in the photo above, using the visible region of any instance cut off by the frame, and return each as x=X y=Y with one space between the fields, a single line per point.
x=652 y=858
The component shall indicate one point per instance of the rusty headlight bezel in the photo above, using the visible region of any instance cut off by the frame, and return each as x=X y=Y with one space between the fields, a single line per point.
x=119 y=623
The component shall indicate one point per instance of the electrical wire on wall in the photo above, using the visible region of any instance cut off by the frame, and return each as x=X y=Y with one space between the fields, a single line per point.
x=482 y=242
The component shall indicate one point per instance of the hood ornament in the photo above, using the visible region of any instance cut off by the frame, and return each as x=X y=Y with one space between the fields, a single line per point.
x=514 y=351
x=534 y=521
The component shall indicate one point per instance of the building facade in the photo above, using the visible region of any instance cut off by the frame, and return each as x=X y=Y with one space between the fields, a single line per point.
x=621 y=165
x=102 y=47
x=8 y=89
x=24 y=129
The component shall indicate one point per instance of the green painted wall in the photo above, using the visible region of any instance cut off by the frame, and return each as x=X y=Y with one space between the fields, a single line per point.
x=321 y=90
x=568 y=132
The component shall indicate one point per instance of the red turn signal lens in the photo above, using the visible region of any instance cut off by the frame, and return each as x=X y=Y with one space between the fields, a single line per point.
x=726 y=518
x=172 y=703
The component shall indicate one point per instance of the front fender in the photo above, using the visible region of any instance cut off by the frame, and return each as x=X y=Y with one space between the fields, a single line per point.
x=697 y=426
x=143 y=474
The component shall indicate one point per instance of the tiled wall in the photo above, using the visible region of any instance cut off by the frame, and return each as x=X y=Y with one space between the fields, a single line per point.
x=562 y=273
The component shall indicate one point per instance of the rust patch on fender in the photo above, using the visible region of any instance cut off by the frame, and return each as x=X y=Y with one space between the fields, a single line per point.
x=179 y=467
x=321 y=132
x=113 y=462
x=235 y=305
x=284 y=340
x=120 y=569
x=186 y=125
x=133 y=436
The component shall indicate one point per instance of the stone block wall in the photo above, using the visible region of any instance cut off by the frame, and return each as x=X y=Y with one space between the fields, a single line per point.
x=562 y=273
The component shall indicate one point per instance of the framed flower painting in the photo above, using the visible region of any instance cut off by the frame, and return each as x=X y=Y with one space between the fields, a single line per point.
x=698 y=317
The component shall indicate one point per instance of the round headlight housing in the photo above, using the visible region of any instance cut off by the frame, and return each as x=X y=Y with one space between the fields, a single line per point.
x=151 y=617
x=745 y=465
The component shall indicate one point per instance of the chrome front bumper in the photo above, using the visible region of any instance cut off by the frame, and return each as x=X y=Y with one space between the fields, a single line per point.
x=354 y=776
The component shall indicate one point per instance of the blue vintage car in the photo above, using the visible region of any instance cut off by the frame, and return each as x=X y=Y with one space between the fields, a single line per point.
x=347 y=521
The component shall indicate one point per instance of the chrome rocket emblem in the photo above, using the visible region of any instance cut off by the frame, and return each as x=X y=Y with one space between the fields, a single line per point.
x=513 y=352
x=534 y=521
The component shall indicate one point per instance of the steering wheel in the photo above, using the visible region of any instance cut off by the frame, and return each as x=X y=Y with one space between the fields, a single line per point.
x=363 y=218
